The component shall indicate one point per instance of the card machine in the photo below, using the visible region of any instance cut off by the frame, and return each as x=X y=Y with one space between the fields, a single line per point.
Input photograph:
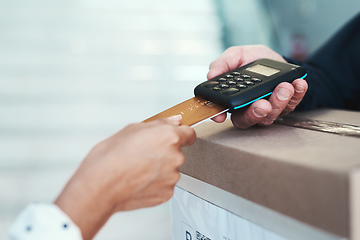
x=246 y=84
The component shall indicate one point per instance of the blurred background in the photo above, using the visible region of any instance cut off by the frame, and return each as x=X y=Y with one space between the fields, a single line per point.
x=74 y=72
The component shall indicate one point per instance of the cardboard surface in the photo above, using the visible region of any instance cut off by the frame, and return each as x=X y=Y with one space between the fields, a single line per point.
x=253 y=213
x=300 y=173
x=214 y=223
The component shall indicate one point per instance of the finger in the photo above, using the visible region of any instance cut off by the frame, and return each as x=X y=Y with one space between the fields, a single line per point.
x=252 y=115
x=227 y=61
x=217 y=68
x=187 y=135
x=279 y=99
x=300 y=86
x=175 y=120
x=220 y=118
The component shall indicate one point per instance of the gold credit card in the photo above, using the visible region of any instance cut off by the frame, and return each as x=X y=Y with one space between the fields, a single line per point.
x=193 y=111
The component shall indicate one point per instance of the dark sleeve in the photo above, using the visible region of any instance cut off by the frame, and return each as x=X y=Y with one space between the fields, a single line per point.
x=334 y=71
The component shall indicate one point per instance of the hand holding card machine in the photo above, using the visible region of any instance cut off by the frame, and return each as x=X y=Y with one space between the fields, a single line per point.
x=244 y=85
x=233 y=90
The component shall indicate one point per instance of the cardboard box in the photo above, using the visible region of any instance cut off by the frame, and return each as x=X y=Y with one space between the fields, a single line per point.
x=303 y=178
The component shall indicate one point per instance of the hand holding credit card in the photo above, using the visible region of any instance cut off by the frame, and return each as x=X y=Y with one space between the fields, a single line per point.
x=233 y=90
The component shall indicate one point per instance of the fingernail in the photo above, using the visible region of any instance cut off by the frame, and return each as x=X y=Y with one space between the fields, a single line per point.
x=299 y=89
x=283 y=94
x=260 y=113
x=175 y=118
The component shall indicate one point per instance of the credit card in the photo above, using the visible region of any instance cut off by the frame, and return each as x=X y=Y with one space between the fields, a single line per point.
x=193 y=111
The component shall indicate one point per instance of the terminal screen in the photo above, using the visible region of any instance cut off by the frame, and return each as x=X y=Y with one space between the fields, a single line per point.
x=263 y=70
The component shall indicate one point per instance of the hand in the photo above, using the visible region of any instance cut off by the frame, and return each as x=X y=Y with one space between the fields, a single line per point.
x=137 y=167
x=283 y=100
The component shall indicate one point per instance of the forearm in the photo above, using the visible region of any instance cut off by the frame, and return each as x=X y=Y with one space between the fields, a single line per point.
x=86 y=204
x=322 y=89
x=333 y=71
x=129 y=170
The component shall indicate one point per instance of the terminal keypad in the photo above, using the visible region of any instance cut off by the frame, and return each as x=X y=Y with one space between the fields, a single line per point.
x=232 y=83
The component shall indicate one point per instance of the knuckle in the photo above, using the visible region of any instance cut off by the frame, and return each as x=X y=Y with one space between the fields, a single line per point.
x=175 y=176
x=179 y=159
x=270 y=118
x=287 y=110
x=290 y=108
x=297 y=97
x=239 y=120
x=167 y=195
x=173 y=139
x=292 y=103
x=239 y=124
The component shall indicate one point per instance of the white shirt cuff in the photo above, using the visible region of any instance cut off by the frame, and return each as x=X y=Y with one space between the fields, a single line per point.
x=41 y=221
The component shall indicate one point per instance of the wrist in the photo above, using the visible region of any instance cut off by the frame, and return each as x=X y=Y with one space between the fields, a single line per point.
x=86 y=205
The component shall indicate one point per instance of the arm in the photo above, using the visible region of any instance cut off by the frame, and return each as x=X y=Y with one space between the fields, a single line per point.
x=136 y=167
x=334 y=71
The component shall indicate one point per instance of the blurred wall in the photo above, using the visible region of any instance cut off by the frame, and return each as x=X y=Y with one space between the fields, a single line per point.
x=307 y=22
x=296 y=27
x=243 y=22
x=74 y=72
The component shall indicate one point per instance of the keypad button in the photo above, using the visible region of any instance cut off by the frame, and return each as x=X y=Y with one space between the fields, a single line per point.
x=241 y=86
x=256 y=79
x=249 y=83
x=210 y=84
x=238 y=79
x=236 y=73
x=229 y=76
x=231 y=91
x=224 y=86
x=222 y=79
x=231 y=82
x=216 y=89
x=246 y=76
